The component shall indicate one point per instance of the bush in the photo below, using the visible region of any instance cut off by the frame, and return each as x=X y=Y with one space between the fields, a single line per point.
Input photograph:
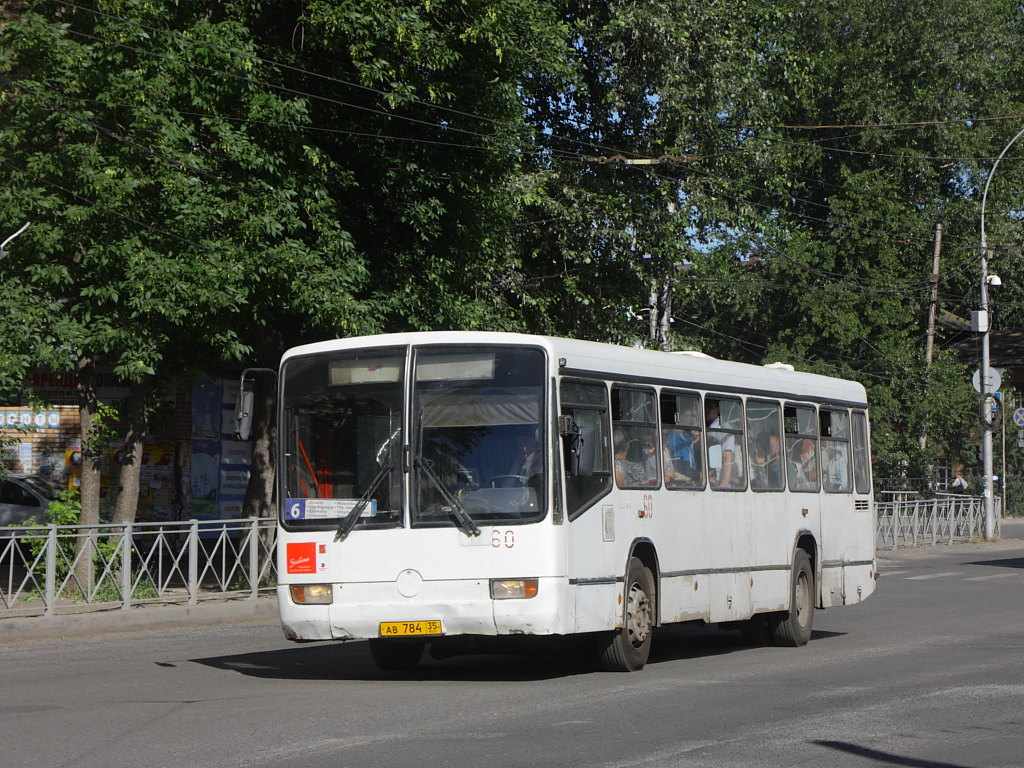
x=66 y=510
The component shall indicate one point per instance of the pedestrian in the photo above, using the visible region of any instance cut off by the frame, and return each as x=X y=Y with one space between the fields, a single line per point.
x=959 y=484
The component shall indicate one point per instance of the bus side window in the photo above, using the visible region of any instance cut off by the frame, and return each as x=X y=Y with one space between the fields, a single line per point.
x=764 y=429
x=635 y=432
x=723 y=417
x=861 y=462
x=585 y=444
x=835 y=451
x=682 y=440
x=801 y=447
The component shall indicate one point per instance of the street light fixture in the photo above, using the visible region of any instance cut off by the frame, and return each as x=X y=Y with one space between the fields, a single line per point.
x=5 y=242
x=987 y=424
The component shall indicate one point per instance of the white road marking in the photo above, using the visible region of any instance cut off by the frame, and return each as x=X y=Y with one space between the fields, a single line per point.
x=933 y=576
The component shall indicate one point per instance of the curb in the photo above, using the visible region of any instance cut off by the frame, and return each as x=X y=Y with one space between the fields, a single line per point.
x=139 y=619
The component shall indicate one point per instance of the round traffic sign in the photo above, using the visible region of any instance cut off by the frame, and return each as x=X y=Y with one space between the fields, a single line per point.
x=995 y=380
x=1018 y=417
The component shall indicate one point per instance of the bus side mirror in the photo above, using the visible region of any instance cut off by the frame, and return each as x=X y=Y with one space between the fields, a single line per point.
x=246 y=397
x=243 y=412
x=570 y=431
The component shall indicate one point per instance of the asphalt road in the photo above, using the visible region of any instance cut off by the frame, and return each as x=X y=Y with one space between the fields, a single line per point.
x=928 y=673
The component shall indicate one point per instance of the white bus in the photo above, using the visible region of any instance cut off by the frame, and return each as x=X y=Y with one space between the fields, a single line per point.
x=450 y=488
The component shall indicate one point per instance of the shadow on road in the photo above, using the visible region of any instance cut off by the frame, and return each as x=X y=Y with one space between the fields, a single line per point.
x=351 y=661
x=694 y=641
x=884 y=758
x=1008 y=562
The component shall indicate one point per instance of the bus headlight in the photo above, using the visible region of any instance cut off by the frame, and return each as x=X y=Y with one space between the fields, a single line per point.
x=312 y=594
x=513 y=589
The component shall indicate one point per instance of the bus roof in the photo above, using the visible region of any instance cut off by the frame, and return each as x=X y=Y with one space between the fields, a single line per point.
x=645 y=366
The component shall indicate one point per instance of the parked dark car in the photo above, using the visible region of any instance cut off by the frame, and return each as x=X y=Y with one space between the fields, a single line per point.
x=24 y=498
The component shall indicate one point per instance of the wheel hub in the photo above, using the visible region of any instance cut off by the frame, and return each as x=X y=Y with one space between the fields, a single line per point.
x=638 y=616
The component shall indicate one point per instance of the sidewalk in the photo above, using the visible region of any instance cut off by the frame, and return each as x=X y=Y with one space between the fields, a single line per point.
x=1012 y=527
x=138 y=619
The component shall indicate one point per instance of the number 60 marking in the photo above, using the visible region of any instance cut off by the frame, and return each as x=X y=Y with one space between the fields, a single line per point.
x=506 y=539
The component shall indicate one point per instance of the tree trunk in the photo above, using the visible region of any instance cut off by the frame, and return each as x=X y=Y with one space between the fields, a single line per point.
x=132 y=452
x=89 y=491
x=259 y=495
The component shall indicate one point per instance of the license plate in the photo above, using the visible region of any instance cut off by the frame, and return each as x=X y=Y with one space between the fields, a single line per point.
x=409 y=628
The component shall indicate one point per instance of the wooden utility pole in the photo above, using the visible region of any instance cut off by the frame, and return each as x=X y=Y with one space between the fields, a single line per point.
x=933 y=303
x=665 y=319
x=932 y=309
x=659 y=317
x=652 y=317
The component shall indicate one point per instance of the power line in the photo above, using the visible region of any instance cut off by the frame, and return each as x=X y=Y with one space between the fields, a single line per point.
x=908 y=124
x=285 y=89
x=314 y=128
x=327 y=78
x=388 y=114
x=114 y=136
x=107 y=209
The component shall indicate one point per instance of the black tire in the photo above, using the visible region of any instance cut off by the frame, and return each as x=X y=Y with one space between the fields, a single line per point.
x=627 y=649
x=792 y=628
x=396 y=655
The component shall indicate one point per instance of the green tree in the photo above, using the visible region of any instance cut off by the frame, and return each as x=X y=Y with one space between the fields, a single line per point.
x=221 y=181
x=174 y=216
x=835 y=136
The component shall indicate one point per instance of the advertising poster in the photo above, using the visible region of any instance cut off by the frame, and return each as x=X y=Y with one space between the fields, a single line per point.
x=206 y=410
x=219 y=469
x=156 y=482
x=205 y=478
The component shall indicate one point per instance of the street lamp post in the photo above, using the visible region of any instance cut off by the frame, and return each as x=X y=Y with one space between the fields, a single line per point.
x=987 y=423
x=5 y=242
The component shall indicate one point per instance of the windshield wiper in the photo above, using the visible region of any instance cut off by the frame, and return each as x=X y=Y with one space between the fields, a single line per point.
x=350 y=520
x=461 y=517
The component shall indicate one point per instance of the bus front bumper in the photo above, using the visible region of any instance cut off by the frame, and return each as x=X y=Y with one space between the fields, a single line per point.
x=463 y=607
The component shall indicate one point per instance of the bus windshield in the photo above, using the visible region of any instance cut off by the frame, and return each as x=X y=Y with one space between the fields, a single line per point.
x=475 y=451
x=478 y=437
x=343 y=437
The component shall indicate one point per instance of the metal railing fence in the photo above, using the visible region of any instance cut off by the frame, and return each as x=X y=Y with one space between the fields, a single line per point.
x=944 y=519
x=47 y=570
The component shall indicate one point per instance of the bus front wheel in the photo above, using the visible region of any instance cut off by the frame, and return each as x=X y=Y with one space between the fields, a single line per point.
x=396 y=655
x=792 y=628
x=626 y=649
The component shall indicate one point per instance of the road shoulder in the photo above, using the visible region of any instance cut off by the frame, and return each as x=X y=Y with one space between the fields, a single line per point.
x=138 y=619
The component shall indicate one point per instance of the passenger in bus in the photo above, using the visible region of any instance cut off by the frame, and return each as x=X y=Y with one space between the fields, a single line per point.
x=803 y=465
x=682 y=457
x=650 y=451
x=766 y=461
x=720 y=473
x=526 y=460
x=631 y=469
x=837 y=468
x=759 y=461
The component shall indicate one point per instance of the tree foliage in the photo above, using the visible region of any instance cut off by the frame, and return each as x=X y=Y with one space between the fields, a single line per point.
x=219 y=180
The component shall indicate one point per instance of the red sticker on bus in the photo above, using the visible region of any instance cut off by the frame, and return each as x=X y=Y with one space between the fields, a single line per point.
x=301 y=557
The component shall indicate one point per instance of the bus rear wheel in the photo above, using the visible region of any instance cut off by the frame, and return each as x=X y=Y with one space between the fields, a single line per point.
x=396 y=655
x=627 y=649
x=792 y=628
